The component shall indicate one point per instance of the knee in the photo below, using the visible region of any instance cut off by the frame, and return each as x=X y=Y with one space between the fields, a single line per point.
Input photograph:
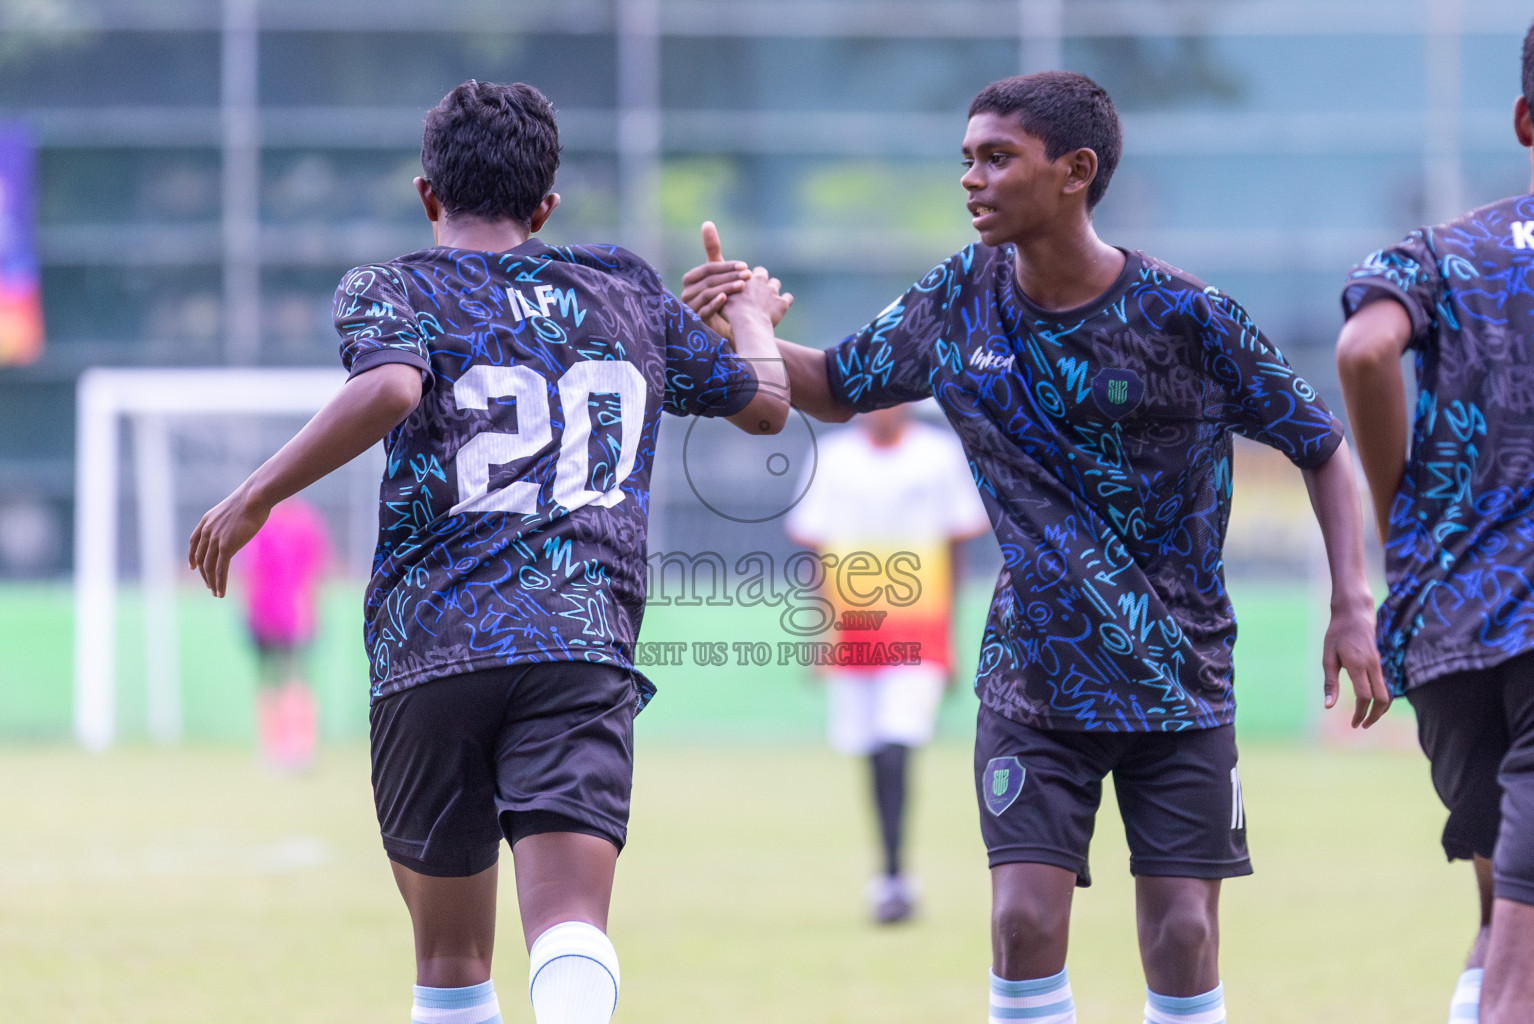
x=1027 y=922
x=1183 y=932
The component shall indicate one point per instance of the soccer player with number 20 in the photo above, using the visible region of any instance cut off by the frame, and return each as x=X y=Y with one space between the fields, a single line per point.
x=517 y=388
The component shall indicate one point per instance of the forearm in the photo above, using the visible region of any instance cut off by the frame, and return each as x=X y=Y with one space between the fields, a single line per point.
x=360 y=415
x=1334 y=497
x=767 y=411
x=1369 y=370
x=809 y=385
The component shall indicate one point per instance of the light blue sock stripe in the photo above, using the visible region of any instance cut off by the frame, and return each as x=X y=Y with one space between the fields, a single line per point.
x=1187 y=1004
x=1032 y=1012
x=454 y=998
x=1461 y=1009
x=1028 y=987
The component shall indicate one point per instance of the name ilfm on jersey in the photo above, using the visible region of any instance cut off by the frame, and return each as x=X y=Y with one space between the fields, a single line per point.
x=544 y=295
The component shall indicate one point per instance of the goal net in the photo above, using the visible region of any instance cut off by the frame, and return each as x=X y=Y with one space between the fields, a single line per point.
x=155 y=448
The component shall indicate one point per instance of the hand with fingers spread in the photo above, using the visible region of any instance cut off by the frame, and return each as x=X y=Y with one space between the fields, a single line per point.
x=707 y=287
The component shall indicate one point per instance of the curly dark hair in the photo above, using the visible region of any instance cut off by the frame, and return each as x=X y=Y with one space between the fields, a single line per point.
x=491 y=150
x=1067 y=111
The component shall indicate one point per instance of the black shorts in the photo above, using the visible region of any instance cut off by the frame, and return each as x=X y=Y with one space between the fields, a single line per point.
x=1477 y=729
x=1178 y=793
x=460 y=762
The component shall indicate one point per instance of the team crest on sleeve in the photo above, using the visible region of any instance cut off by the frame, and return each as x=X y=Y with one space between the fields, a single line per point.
x=1117 y=392
x=1002 y=782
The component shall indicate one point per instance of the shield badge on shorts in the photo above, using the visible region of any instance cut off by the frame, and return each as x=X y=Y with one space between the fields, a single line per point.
x=1117 y=392
x=1002 y=782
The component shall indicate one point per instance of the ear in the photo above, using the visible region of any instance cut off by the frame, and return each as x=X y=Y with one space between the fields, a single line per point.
x=1523 y=122
x=429 y=200
x=543 y=212
x=1080 y=170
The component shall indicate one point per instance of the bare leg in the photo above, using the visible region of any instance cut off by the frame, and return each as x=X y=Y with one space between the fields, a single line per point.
x=563 y=876
x=454 y=924
x=1179 y=927
x=1507 y=990
x=1483 y=883
x=1030 y=919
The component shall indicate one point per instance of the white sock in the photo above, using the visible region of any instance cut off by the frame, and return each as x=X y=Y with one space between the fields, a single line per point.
x=573 y=975
x=473 y=1004
x=1465 y=1007
x=1035 y=1001
x=1206 y=1008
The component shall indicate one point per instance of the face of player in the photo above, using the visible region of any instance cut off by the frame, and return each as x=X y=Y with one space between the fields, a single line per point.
x=1016 y=193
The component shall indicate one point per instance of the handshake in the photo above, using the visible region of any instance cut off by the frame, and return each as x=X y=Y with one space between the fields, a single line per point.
x=721 y=291
x=745 y=305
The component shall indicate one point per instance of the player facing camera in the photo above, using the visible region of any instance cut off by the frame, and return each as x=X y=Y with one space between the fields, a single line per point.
x=1095 y=390
x=517 y=389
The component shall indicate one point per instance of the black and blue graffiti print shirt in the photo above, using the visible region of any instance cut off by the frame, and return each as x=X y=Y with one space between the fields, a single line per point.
x=514 y=499
x=1459 y=556
x=1100 y=440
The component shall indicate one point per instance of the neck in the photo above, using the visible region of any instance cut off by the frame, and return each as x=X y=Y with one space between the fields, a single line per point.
x=468 y=232
x=1067 y=269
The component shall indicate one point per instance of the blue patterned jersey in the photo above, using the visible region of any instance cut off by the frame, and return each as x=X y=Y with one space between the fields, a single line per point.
x=1100 y=440
x=1459 y=557
x=514 y=501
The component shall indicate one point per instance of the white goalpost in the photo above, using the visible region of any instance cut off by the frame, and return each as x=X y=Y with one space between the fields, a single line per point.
x=154 y=401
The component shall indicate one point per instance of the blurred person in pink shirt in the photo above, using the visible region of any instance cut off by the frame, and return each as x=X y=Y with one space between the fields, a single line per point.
x=281 y=568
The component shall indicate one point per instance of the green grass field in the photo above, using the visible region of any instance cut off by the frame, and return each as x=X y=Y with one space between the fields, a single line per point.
x=190 y=886
x=165 y=886
x=1278 y=681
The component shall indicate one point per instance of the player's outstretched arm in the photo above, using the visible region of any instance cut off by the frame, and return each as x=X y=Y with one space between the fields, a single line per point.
x=1349 y=643
x=1369 y=353
x=365 y=409
x=809 y=385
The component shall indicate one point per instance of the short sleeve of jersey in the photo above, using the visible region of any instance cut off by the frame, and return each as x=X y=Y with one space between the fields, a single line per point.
x=372 y=314
x=1407 y=272
x=704 y=376
x=1271 y=403
x=890 y=361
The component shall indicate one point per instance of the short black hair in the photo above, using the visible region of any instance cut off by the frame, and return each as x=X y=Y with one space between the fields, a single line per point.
x=1067 y=111
x=1528 y=66
x=491 y=150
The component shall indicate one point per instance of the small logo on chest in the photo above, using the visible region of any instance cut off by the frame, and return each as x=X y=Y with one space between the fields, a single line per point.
x=1117 y=392
x=989 y=362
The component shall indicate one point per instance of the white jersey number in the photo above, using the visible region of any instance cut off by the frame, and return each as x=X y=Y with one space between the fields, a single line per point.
x=482 y=384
